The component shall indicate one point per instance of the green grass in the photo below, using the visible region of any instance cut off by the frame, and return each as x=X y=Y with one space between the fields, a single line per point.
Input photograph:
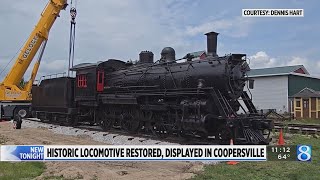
x=304 y=121
x=21 y=170
x=271 y=169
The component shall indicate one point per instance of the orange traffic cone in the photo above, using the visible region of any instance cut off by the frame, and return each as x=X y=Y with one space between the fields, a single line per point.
x=281 y=139
x=232 y=162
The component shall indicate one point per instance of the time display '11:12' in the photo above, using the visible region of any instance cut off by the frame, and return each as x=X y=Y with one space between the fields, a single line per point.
x=282 y=153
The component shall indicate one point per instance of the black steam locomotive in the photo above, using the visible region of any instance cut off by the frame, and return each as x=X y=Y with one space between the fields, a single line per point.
x=195 y=97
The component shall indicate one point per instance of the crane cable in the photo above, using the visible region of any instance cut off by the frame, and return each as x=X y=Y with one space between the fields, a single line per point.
x=73 y=14
x=13 y=57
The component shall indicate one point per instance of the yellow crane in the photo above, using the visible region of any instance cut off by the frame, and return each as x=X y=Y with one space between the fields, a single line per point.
x=12 y=97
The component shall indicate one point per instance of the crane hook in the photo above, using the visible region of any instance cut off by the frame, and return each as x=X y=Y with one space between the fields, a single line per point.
x=73 y=14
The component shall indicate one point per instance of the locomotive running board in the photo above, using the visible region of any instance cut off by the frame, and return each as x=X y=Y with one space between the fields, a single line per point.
x=118 y=99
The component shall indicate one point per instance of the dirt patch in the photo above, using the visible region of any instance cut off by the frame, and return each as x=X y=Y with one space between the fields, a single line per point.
x=3 y=139
x=94 y=170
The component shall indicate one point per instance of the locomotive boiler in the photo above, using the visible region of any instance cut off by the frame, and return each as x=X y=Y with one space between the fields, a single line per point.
x=165 y=97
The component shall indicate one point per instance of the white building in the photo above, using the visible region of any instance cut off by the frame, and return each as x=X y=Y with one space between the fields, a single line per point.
x=273 y=87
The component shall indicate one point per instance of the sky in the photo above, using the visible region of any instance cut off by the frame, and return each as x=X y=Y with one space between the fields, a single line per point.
x=121 y=29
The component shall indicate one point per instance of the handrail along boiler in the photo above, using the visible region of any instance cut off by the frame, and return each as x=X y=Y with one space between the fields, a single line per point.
x=166 y=97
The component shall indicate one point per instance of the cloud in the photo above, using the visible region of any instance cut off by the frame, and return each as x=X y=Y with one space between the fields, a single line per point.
x=262 y=60
x=48 y=68
x=234 y=27
x=104 y=30
x=121 y=29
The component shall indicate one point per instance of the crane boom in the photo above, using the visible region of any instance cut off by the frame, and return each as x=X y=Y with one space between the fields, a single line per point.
x=9 y=88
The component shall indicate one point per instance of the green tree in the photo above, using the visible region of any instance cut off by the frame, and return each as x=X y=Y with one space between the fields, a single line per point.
x=22 y=83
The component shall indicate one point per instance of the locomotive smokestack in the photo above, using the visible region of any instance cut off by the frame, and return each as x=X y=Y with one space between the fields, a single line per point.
x=212 y=43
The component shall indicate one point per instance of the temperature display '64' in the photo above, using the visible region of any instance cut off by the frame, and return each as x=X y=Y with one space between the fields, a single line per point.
x=282 y=153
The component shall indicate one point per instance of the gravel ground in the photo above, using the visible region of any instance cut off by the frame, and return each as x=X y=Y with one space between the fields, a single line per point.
x=104 y=137
x=123 y=170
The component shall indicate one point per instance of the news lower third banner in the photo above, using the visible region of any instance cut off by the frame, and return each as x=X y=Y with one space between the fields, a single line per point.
x=133 y=153
x=154 y=153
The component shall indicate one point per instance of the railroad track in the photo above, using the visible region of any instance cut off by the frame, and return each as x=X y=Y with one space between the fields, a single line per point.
x=132 y=136
x=298 y=128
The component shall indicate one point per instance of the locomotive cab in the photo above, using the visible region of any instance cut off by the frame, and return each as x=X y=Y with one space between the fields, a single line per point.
x=85 y=89
x=91 y=78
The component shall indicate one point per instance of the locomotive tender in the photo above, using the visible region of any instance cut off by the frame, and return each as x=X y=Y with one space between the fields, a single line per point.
x=195 y=97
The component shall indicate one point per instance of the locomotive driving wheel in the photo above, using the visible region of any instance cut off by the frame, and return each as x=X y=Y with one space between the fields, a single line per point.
x=224 y=135
x=104 y=121
x=160 y=130
x=129 y=123
x=71 y=120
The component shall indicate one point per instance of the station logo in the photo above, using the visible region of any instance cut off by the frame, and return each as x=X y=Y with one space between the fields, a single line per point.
x=304 y=153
